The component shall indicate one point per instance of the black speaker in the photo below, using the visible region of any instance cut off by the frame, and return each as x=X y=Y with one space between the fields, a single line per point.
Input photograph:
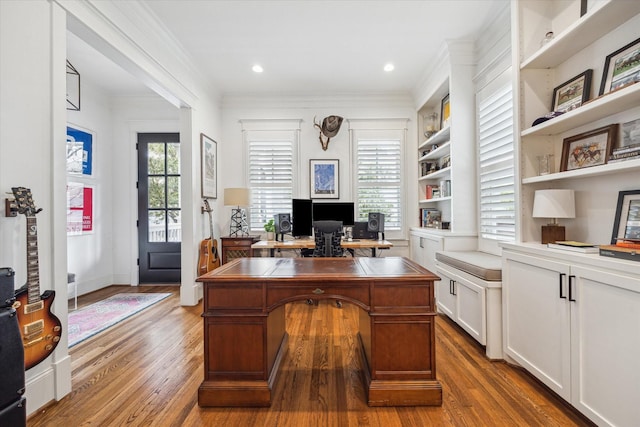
x=360 y=231
x=14 y=415
x=11 y=358
x=283 y=223
x=7 y=289
x=376 y=222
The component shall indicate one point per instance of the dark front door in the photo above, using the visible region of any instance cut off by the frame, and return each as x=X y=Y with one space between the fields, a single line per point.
x=159 y=220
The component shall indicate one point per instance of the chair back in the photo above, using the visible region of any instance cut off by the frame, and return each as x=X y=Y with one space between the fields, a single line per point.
x=328 y=235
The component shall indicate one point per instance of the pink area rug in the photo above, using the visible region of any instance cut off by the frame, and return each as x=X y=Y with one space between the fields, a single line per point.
x=94 y=318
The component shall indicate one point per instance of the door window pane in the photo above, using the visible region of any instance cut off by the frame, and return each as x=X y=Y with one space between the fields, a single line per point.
x=155 y=159
x=173 y=159
x=173 y=189
x=156 y=192
x=174 y=226
x=157 y=226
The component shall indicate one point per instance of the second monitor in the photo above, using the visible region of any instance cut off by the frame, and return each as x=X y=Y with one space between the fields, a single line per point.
x=334 y=211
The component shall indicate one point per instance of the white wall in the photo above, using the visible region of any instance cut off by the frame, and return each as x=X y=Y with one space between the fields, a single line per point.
x=90 y=256
x=232 y=171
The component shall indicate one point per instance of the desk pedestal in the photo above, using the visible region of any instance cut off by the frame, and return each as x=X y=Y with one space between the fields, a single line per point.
x=246 y=341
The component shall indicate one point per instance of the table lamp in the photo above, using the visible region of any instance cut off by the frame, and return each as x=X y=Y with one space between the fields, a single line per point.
x=237 y=197
x=553 y=204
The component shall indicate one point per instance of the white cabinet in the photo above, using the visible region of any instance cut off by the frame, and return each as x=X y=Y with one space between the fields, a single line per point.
x=574 y=323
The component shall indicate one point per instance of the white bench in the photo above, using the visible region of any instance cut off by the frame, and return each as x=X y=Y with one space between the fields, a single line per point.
x=470 y=293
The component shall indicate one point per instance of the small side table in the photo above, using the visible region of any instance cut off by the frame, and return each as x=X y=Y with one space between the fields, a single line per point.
x=237 y=247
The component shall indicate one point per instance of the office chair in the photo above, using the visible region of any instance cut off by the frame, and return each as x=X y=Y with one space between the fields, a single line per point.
x=327 y=236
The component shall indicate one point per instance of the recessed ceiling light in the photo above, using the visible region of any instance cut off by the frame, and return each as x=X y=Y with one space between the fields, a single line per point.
x=257 y=69
x=389 y=67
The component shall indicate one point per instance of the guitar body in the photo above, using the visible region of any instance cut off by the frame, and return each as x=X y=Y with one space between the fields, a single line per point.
x=209 y=258
x=39 y=327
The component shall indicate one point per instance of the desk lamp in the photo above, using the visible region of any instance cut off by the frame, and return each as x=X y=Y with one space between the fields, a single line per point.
x=553 y=204
x=237 y=197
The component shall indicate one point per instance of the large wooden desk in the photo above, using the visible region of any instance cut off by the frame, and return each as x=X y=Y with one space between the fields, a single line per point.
x=245 y=339
x=272 y=245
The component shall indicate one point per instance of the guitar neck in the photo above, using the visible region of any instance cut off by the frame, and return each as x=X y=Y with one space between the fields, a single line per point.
x=33 y=268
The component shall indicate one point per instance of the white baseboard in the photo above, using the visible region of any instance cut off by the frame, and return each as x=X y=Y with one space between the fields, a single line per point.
x=51 y=383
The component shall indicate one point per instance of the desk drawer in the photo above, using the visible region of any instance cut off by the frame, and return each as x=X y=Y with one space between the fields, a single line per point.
x=405 y=297
x=277 y=293
x=233 y=296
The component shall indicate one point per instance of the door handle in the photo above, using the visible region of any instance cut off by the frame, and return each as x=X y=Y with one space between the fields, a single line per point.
x=560 y=277
x=572 y=280
x=453 y=287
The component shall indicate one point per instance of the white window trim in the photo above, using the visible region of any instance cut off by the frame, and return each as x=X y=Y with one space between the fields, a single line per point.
x=364 y=126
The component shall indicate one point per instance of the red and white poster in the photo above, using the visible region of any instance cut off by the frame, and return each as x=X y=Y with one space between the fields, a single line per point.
x=79 y=209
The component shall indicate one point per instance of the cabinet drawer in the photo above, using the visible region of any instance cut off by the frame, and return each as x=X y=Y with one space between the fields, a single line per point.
x=278 y=293
x=233 y=296
x=410 y=296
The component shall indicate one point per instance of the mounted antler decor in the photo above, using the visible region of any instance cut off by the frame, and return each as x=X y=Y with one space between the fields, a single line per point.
x=330 y=127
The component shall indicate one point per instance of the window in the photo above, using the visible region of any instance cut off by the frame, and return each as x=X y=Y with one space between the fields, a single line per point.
x=496 y=157
x=378 y=175
x=272 y=169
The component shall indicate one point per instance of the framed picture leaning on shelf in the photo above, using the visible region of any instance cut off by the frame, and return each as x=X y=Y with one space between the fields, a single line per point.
x=627 y=220
x=588 y=149
x=445 y=112
x=621 y=68
x=572 y=93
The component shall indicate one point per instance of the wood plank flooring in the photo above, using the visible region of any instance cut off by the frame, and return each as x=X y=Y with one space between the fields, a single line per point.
x=146 y=371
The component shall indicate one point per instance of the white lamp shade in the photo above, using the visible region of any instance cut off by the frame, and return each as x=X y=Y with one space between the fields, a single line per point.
x=236 y=197
x=554 y=204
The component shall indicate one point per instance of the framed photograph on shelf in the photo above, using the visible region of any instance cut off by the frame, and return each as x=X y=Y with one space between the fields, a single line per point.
x=445 y=112
x=588 y=149
x=621 y=68
x=209 y=167
x=627 y=221
x=324 y=179
x=572 y=93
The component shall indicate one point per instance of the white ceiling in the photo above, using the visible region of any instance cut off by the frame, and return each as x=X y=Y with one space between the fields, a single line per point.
x=305 y=46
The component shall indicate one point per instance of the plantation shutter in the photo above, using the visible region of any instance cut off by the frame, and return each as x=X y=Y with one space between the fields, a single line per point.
x=497 y=180
x=271 y=178
x=379 y=180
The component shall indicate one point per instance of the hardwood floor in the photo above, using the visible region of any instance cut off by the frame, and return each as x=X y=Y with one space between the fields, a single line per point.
x=146 y=371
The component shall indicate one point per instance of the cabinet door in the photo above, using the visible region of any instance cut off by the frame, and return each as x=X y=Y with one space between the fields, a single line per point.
x=471 y=309
x=536 y=318
x=416 y=249
x=445 y=293
x=605 y=334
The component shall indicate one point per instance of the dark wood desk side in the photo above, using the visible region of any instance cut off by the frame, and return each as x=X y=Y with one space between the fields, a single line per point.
x=245 y=339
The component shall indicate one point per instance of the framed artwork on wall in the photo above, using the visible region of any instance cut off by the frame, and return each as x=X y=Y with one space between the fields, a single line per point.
x=324 y=179
x=589 y=148
x=209 y=167
x=79 y=151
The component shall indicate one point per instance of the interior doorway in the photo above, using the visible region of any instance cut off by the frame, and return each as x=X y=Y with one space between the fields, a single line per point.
x=159 y=214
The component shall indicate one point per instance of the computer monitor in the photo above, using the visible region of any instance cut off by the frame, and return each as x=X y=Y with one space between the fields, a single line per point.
x=302 y=217
x=334 y=211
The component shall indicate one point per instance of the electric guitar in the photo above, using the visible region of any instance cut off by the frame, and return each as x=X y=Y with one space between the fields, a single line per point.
x=40 y=329
x=209 y=258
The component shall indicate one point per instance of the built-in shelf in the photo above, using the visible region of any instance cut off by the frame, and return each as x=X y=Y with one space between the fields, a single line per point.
x=614 y=102
x=437 y=174
x=591 y=171
x=441 y=151
x=435 y=200
x=602 y=19
x=442 y=136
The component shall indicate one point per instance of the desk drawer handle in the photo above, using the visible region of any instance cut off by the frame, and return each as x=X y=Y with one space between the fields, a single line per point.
x=318 y=291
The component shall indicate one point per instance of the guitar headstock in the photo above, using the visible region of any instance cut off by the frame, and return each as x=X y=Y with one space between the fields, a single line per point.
x=24 y=201
x=206 y=208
